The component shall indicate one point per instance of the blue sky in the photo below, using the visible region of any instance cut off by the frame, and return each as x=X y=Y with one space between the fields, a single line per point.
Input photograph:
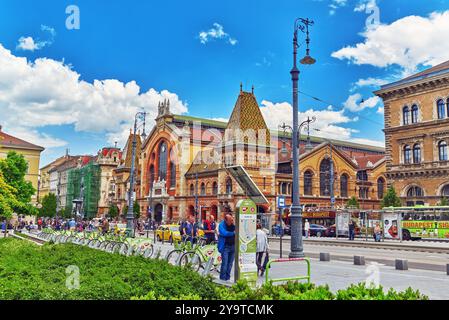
x=151 y=50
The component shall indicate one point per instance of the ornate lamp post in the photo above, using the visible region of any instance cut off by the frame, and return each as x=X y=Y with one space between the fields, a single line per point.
x=296 y=247
x=140 y=116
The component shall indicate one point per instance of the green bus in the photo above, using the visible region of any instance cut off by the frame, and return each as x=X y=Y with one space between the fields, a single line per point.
x=420 y=222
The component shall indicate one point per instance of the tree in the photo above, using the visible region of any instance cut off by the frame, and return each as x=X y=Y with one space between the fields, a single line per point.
x=136 y=210
x=353 y=202
x=49 y=205
x=443 y=202
x=14 y=168
x=8 y=200
x=391 y=199
x=113 y=211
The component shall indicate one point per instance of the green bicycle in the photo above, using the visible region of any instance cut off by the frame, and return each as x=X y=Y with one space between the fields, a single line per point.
x=198 y=258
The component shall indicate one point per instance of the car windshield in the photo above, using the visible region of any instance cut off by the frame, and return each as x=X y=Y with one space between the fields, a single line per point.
x=174 y=228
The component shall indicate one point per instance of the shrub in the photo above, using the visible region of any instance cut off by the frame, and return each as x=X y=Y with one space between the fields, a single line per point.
x=30 y=272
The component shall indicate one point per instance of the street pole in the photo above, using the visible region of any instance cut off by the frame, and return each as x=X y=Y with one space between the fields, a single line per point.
x=296 y=247
x=196 y=197
x=130 y=214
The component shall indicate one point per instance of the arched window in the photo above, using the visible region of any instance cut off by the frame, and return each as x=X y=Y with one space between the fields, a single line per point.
x=380 y=188
x=308 y=180
x=172 y=174
x=284 y=188
x=325 y=170
x=151 y=176
x=215 y=188
x=228 y=186
x=447 y=107
x=445 y=191
x=416 y=153
x=442 y=150
x=406 y=115
x=203 y=189
x=344 y=185
x=192 y=190
x=415 y=192
x=441 y=109
x=407 y=154
x=163 y=161
x=414 y=113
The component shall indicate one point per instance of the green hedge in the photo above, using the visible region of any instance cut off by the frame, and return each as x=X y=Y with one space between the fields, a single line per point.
x=295 y=291
x=31 y=272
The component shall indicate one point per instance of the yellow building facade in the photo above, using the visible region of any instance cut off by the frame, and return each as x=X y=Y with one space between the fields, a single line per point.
x=31 y=153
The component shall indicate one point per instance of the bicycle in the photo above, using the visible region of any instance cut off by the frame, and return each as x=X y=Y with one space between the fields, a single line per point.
x=199 y=257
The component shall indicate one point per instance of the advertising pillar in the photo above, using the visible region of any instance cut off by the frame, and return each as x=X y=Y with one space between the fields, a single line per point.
x=246 y=243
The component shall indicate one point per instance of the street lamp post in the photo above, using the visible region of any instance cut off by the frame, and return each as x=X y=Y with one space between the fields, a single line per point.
x=296 y=247
x=130 y=215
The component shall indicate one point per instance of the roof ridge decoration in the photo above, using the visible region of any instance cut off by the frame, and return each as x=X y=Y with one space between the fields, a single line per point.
x=247 y=120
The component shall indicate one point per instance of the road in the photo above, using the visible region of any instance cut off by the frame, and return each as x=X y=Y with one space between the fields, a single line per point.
x=416 y=260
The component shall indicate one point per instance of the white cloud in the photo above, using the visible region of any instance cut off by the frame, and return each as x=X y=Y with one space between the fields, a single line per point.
x=48 y=92
x=354 y=103
x=29 y=44
x=335 y=5
x=370 y=82
x=363 y=5
x=408 y=43
x=216 y=32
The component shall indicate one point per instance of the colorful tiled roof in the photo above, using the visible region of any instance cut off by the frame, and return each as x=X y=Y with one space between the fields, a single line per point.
x=9 y=141
x=247 y=116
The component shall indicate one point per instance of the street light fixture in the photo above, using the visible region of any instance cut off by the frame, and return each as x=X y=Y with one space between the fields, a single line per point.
x=296 y=247
x=140 y=116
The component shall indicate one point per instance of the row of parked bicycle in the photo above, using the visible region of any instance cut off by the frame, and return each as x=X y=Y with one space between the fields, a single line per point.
x=195 y=255
x=106 y=242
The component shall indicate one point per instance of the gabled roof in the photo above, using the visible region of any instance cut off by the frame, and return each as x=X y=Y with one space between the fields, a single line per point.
x=9 y=141
x=128 y=150
x=342 y=155
x=200 y=166
x=369 y=162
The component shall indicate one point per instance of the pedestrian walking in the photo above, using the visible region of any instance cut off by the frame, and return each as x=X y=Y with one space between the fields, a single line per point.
x=262 y=248
x=226 y=246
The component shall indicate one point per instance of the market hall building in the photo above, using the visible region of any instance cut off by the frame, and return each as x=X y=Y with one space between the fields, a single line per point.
x=184 y=160
x=417 y=135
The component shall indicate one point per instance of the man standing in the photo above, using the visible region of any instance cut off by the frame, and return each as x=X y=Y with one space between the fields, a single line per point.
x=226 y=246
x=189 y=229
x=351 y=228
x=209 y=227
x=262 y=248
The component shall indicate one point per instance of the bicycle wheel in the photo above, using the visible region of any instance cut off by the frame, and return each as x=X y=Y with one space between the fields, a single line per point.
x=174 y=257
x=103 y=245
x=123 y=248
x=110 y=246
x=190 y=260
x=148 y=253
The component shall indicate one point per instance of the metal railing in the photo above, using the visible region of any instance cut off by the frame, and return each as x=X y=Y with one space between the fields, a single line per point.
x=307 y=277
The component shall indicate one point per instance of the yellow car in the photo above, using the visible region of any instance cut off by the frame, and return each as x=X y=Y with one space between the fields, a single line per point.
x=168 y=233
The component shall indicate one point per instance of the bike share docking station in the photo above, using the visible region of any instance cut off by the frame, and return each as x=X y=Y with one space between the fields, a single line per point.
x=245 y=236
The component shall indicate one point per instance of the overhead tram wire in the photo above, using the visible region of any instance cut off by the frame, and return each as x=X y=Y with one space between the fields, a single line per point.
x=341 y=108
